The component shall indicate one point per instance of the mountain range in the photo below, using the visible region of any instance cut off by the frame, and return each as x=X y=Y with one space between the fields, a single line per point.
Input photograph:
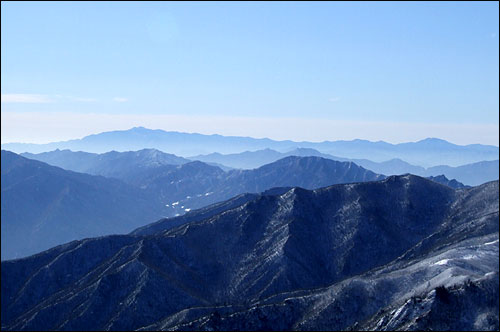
x=400 y=253
x=50 y=206
x=47 y=205
x=194 y=184
x=471 y=174
x=426 y=153
x=43 y=206
x=133 y=164
x=111 y=164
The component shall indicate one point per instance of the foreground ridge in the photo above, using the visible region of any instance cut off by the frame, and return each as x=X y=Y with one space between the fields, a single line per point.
x=392 y=254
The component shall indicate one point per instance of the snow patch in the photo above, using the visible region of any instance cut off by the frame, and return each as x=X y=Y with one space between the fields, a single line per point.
x=175 y=203
x=442 y=262
x=187 y=210
x=492 y=242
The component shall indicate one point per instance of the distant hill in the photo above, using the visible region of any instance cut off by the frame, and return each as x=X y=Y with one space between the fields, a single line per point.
x=470 y=174
x=43 y=206
x=444 y=180
x=402 y=253
x=196 y=184
x=111 y=164
x=255 y=159
x=426 y=153
x=47 y=205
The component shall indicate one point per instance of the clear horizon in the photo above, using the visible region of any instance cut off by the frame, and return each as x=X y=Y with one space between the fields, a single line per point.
x=395 y=72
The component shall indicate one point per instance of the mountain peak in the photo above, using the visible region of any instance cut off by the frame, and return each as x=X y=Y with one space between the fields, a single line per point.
x=140 y=128
x=435 y=141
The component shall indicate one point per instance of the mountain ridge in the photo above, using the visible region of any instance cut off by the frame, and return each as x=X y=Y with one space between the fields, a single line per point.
x=185 y=144
x=286 y=265
x=40 y=197
x=470 y=174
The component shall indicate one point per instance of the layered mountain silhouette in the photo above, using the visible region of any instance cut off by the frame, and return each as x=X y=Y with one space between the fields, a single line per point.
x=43 y=206
x=136 y=166
x=401 y=253
x=192 y=185
x=427 y=152
x=470 y=174
x=111 y=164
x=47 y=205
x=444 y=180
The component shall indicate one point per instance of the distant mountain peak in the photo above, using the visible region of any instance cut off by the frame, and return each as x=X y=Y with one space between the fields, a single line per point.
x=434 y=140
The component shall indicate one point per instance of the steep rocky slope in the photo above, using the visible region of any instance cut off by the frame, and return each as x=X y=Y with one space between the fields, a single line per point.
x=345 y=256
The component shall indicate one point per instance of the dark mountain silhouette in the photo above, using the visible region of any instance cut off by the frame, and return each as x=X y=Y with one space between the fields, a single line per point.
x=390 y=254
x=427 y=152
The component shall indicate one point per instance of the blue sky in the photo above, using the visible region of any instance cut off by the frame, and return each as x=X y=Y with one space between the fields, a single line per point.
x=315 y=71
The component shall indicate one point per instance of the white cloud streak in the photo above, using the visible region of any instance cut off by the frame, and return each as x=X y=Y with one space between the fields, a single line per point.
x=43 y=127
x=120 y=99
x=26 y=98
x=41 y=99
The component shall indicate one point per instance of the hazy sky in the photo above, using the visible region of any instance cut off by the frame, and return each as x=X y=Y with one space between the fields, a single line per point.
x=302 y=71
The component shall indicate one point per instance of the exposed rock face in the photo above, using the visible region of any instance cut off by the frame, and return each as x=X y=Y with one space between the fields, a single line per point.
x=347 y=256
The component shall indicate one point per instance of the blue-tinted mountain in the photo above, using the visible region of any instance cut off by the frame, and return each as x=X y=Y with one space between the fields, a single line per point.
x=192 y=185
x=196 y=184
x=428 y=152
x=402 y=253
x=470 y=174
x=43 y=206
x=444 y=180
x=111 y=164
x=244 y=160
x=254 y=159
x=38 y=198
